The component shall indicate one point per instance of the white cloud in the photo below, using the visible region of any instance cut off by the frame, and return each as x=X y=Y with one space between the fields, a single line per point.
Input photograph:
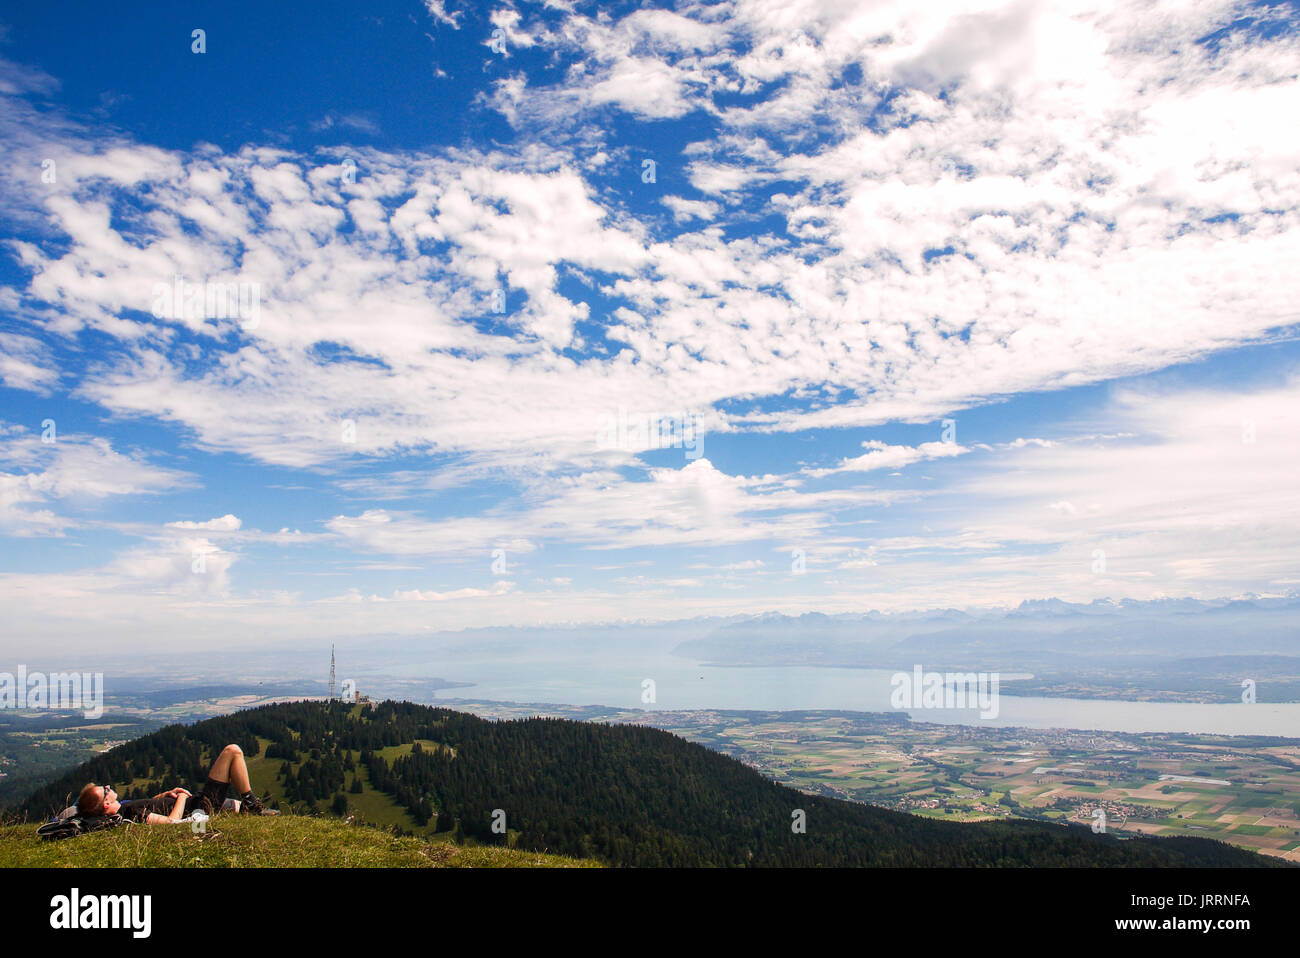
x=641 y=85
x=685 y=210
x=395 y=533
x=438 y=10
x=881 y=455
x=506 y=21
x=697 y=504
x=71 y=469
x=24 y=364
x=1184 y=504
x=1181 y=505
x=189 y=567
x=226 y=523
x=416 y=595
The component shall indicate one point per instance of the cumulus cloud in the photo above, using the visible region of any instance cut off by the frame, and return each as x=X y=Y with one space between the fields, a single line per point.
x=881 y=455
x=685 y=210
x=226 y=523
x=191 y=566
x=70 y=470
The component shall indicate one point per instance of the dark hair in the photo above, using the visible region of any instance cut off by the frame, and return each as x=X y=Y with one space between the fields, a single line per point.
x=90 y=802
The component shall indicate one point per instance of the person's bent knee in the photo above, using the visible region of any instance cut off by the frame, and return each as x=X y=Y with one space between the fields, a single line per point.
x=233 y=750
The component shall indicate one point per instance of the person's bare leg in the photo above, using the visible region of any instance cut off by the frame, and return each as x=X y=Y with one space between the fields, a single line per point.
x=230 y=767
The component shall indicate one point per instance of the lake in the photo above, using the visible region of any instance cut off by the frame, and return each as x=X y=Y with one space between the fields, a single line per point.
x=616 y=681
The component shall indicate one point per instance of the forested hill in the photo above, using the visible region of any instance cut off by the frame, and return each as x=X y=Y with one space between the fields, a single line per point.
x=624 y=794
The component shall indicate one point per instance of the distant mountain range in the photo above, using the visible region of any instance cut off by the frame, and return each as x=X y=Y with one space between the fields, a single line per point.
x=1187 y=649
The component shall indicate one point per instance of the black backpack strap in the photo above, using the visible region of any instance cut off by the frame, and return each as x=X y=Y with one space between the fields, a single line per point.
x=97 y=822
x=77 y=825
x=60 y=828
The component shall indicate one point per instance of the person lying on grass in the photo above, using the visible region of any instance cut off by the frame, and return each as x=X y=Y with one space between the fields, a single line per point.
x=177 y=803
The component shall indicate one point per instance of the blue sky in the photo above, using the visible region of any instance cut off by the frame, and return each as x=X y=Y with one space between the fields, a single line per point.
x=963 y=305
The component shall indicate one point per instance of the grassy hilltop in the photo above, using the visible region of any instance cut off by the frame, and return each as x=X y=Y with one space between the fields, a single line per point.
x=243 y=841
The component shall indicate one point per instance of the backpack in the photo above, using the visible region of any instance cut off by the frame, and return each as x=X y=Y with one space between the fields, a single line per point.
x=69 y=824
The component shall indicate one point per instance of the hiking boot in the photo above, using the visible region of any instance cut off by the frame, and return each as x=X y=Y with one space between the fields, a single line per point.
x=254 y=806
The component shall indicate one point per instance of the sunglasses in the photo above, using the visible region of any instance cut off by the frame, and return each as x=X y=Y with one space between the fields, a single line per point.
x=107 y=789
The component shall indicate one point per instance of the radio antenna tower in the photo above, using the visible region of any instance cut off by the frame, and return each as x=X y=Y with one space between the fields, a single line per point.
x=331 y=696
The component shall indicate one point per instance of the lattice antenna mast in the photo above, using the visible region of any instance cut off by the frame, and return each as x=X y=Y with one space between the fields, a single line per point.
x=332 y=687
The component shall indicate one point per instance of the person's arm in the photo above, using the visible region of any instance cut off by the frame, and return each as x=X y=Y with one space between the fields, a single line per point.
x=178 y=811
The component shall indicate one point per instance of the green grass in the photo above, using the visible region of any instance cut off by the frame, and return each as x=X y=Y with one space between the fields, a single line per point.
x=232 y=841
x=391 y=753
x=1253 y=830
x=377 y=808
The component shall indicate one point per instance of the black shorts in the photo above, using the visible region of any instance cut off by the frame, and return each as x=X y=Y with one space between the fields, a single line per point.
x=214 y=792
